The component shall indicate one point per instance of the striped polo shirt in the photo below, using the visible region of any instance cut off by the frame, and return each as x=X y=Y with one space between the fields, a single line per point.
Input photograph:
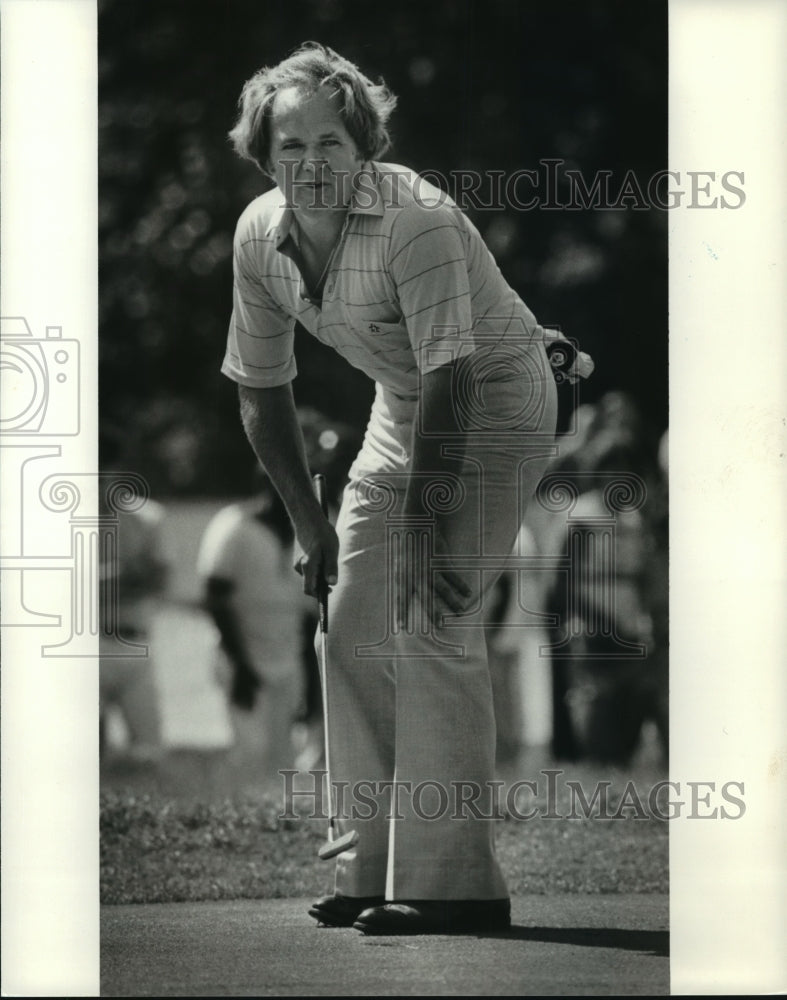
x=410 y=287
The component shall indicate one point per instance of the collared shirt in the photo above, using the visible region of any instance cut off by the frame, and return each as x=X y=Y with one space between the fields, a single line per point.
x=411 y=285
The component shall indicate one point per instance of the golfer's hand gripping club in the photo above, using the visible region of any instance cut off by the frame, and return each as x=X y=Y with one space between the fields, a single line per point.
x=334 y=845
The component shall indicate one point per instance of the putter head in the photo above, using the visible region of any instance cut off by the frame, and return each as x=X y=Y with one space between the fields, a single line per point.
x=333 y=847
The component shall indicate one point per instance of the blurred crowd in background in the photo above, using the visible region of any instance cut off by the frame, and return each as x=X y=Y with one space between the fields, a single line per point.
x=578 y=634
x=577 y=626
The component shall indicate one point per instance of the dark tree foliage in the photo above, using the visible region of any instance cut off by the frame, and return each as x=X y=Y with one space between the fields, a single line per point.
x=485 y=85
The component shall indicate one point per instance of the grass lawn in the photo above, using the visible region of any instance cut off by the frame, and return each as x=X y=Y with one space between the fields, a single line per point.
x=189 y=833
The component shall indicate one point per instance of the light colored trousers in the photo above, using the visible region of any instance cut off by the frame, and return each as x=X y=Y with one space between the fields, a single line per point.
x=415 y=708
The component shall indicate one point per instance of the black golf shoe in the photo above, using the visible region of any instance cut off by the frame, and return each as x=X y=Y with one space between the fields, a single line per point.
x=429 y=916
x=342 y=911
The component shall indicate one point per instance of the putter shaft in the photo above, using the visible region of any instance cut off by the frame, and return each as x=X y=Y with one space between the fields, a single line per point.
x=335 y=845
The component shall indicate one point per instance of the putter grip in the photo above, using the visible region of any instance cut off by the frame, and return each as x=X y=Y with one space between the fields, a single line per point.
x=322 y=594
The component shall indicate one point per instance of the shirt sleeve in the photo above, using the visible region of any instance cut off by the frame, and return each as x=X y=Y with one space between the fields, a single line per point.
x=218 y=547
x=261 y=334
x=428 y=264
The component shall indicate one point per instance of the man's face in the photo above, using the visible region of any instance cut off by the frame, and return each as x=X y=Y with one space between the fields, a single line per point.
x=313 y=158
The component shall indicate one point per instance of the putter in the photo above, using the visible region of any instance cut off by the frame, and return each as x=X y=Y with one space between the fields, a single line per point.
x=334 y=845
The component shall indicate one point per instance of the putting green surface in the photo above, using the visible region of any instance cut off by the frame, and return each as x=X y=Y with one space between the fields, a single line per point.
x=557 y=946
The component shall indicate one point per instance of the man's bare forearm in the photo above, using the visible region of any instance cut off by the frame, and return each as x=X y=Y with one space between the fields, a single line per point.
x=271 y=425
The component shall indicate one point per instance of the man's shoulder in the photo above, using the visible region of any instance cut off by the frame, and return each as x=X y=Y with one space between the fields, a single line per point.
x=259 y=216
x=403 y=188
x=225 y=522
x=413 y=203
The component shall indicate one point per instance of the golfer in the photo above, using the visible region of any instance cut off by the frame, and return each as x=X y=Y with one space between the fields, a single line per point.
x=384 y=268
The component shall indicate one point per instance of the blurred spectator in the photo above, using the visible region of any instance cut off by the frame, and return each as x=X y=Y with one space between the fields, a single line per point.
x=519 y=655
x=613 y=600
x=131 y=582
x=266 y=660
x=656 y=583
x=523 y=697
x=256 y=600
x=591 y=698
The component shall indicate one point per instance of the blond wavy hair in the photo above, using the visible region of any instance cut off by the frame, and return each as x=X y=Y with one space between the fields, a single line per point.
x=365 y=106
